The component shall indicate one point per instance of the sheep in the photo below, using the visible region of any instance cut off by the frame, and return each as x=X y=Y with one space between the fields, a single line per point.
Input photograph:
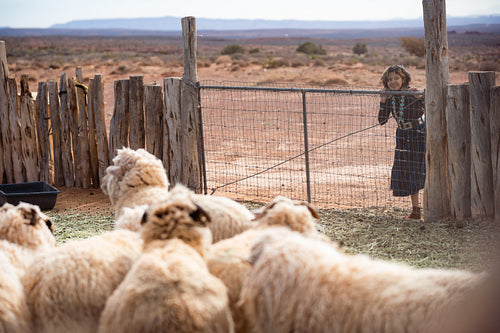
x=137 y=178
x=24 y=230
x=169 y=288
x=14 y=314
x=297 y=284
x=227 y=258
x=67 y=287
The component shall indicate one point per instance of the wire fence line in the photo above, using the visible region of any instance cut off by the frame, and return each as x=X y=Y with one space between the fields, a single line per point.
x=323 y=145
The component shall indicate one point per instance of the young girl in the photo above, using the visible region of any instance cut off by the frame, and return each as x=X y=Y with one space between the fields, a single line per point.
x=408 y=170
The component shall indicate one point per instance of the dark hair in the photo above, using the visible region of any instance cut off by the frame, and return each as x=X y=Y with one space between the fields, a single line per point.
x=399 y=70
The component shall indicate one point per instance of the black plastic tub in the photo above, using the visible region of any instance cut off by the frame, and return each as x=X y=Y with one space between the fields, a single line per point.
x=37 y=193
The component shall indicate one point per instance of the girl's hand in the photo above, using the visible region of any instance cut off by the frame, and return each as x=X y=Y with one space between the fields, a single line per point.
x=383 y=97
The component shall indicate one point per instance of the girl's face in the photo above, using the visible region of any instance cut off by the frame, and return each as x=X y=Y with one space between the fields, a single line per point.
x=394 y=82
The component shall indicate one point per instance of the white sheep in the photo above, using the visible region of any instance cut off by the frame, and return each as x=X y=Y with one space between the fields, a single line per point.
x=137 y=178
x=67 y=287
x=24 y=231
x=297 y=284
x=169 y=287
x=14 y=314
x=227 y=258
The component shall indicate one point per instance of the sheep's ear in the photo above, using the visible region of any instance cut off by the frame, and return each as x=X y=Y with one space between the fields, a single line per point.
x=115 y=171
x=313 y=211
x=261 y=213
x=30 y=214
x=144 y=218
x=48 y=222
x=200 y=215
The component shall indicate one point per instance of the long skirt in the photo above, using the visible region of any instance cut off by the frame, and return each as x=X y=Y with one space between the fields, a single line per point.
x=408 y=170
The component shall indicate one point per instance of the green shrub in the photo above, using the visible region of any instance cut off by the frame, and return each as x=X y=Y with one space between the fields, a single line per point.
x=310 y=48
x=413 y=45
x=232 y=49
x=255 y=50
x=360 y=49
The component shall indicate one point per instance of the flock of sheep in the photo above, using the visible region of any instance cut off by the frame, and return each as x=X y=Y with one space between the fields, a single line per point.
x=178 y=261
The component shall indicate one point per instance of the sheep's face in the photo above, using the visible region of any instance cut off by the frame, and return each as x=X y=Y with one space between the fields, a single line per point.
x=26 y=226
x=180 y=219
x=297 y=215
x=132 y=169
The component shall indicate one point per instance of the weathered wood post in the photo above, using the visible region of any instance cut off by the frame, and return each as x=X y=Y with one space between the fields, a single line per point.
x=458 y=129
x=55 y=120
x=100 y=126
x=94 y=161
x=119 y=126
x=83 y=129
x=73 y=128
x=28 y=129
x=481 y=167
x=436 y=194
x=495 y=146
x=153 y=109
x=66 y=151
x=5 y=146
x=172 y=132
x=190 y=120
x=42 y=130
x=136 y=107
x=15 y=131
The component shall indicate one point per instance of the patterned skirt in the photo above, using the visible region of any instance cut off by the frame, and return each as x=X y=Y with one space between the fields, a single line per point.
x=408 y=170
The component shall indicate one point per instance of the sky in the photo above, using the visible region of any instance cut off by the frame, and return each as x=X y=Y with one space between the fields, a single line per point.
x=45 y=13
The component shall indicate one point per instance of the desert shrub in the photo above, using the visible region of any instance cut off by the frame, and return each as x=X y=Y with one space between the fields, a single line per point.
x=359 y=49
x=276 y=62
x=254 y=50
x=224 y=59
x=413 y=45
x=232 y=49
x=311 y=48
x=489 y=66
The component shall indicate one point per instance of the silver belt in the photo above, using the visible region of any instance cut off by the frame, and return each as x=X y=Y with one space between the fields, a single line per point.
x=410 y=124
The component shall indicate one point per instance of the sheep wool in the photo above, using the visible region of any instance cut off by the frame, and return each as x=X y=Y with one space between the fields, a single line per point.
x=67 y=287
x=169 y=288
x=297 y=284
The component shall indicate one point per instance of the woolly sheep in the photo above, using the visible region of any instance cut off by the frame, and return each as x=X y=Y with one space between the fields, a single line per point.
x=169 y=287
x=24 y=230
x=227 y=258
x=137 y=178
x=67 y=287
x=14 y=314
x=297 y=284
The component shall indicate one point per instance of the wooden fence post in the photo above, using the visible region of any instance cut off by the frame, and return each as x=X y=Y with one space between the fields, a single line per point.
x=28 y=128
x=42 y=130
x=119 y=126
x=436 y=194
x=5 y=146
x=136 y=106
x=15 y=131
x=73 y=127
x=172 y=132
x=458 y=129
x=153 y=110
x=481 y=167
x=100 y=126
x=495 y=146
x=83 y=129
x=55 y=119
x=190 y=122
x=66 y=151
x=94 y=162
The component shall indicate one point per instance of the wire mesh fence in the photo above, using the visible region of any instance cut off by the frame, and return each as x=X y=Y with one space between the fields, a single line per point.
x=308 y=143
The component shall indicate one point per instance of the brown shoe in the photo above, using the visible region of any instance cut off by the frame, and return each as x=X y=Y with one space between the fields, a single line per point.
x=415 y=214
